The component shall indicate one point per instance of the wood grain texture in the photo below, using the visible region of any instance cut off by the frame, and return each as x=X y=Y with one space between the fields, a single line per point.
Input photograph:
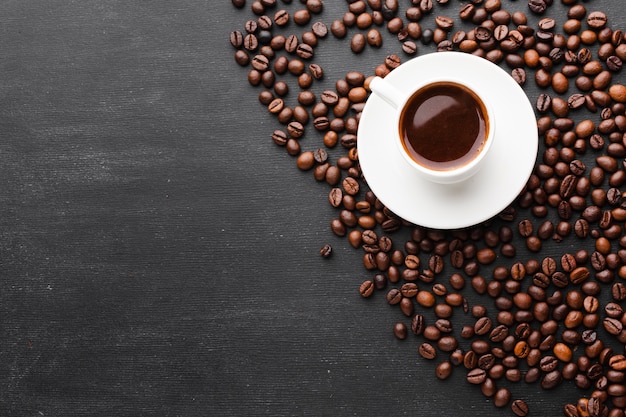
x=159 y=255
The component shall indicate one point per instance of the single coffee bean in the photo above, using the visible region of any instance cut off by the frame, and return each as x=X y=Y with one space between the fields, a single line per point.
x=618 y=362
x=521 y=349
x=400 y=330
x=476 y=376
x=612 y=325
x=250 y=42
x=617 y=92
x=467 y=11
x=406 y=304
x=358 y=42
x=427 y=351
x=301 y=17
x=488 y=362
x=596 y=20
x=502 y=397
x=444 y=22
x=519 y=408
x=338 y=29
x=432 y=333
x=320 y=29
x=409 y=47
x=519 y=75
x=576 y=101
x=443 y=370
x=559 y=279
x=525 y=228
x=366 y=289
x=281 y=18
x=350 y=186
x=613 y=310
x=296 y=67
x=304 y=51
x=417 y=324
x=279 y=137
x=537 y=6
x=409 y=289
x=447 y=343
x=544 y=102
x=551 y=380
x=618 y=291
x=394 y=296
x=374 y=38
x=614 y=63
x=483 y=326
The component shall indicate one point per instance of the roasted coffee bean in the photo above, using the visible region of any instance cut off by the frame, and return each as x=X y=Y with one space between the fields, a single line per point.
x=406 y=304
x=250 y=42
x=487 y=362
x=559 y=279
x=618 y=362
x=482 y=326
x=544 y=102
x=576 y=101
x=476 y=376
x=596 y=20
x=543 y=78
x=612 y=325
x=443 y=370
x=444 y=22
x=281 y=18
x=525 y=228
x=618 y=291
x=551 y=380
x=400 y=330
x=319 y=29
x=301 y=17
x=409 y=47
x=374 y=38
x=613 y=310
x=279 y=137
x=304 y=51
x=502 y=397
x=519 y=75
x=394 y=296
x=537 y=6
x=447 y=343
x=366 y=289
x=409 y=289
x=358 y=42
x=417 y=324
x=427 y=351
x=350 y=186
x=326 y=251
x=338 y=29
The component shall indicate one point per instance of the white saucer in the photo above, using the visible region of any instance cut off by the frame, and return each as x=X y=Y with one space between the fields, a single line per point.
x=506 y=169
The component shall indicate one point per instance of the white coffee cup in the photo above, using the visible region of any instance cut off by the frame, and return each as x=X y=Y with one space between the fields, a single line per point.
x=440 y=127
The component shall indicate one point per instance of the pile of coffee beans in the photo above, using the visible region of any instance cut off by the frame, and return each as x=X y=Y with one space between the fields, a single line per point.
x=534 y=317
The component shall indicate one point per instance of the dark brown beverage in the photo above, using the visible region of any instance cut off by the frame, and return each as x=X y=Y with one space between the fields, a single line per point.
x=443 y=126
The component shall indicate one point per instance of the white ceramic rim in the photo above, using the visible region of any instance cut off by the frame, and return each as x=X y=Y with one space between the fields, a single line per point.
x=461 y=173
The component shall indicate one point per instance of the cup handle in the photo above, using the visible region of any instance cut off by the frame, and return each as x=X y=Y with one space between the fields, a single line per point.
x=387 y=92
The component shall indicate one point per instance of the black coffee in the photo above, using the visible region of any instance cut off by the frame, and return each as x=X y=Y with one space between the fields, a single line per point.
x=444 y=125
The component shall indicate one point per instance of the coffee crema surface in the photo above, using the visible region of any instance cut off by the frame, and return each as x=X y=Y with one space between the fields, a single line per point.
x=444 y=126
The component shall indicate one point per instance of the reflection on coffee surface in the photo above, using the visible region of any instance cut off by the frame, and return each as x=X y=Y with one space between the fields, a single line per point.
x=443 y=126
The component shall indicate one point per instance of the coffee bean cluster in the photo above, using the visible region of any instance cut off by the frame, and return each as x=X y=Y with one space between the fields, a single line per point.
x=543 y=318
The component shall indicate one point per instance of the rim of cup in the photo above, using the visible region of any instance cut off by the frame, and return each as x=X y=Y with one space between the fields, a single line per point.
x=398 y=99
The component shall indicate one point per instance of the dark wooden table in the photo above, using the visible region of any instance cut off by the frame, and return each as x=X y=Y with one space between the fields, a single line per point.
x=159 y=254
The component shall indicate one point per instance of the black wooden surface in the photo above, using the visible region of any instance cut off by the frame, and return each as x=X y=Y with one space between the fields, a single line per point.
x=159 y=254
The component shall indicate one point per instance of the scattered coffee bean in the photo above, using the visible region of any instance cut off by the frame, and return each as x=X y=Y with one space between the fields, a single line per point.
x=564 y=291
